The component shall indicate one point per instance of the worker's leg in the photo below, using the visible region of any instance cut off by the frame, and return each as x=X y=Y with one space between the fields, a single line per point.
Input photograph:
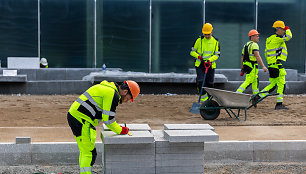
x=255 y=80
x=281 y=81
x=248 y=80
x=199 y=79
x=85 y=135
x=209 y=82
x=274 y=74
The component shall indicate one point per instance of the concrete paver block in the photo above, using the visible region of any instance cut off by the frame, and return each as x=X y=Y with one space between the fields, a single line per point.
x=190 y=135
x=180 y=169
x=291 y=150
x=138 y=137
x=23 y=62
x=228 y=151
x=132 y=127
x=23 y=140
x=188 y=127
x=15 y=154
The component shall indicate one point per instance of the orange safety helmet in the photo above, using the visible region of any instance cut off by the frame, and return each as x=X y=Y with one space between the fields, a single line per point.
x=279 y=24
x=134 y=88
x=207 y=28
x=253 y=32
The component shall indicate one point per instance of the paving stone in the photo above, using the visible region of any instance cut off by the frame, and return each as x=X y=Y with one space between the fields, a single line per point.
x=132 y=127
x=138 y=137
x=188 y=127
x=15 y=154
x=190 y=135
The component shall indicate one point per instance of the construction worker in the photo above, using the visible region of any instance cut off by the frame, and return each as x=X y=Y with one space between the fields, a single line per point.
x=276 y=53
x=205 y=50
x=249 y=63
x=43 y=63
x=97 y=104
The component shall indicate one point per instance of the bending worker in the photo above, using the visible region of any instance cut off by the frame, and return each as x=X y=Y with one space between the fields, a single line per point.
x=205 y=49
x=249 y=63
x=97 y=104
x=275 y=53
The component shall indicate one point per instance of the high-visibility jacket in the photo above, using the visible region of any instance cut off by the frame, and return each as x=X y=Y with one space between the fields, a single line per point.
x=98 y=103
x=250 y=59
x=276 y=48
x=208 y=49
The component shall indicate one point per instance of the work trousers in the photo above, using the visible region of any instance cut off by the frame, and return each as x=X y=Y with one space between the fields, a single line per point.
x=209 y=80
x=277 y=79
x=251 y=78
x=85 y=136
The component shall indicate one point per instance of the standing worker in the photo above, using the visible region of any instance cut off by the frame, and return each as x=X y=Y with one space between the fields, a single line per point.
x=249 y=63
x=97 y=104
x=206 y=49
x=275 y=53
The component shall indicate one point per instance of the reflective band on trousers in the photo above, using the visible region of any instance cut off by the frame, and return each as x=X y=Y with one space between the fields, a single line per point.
x=85 y=169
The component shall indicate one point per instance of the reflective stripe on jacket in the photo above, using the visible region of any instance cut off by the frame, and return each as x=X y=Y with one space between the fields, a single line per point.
x=98 y=103
x=276 y=48
x=208 y=49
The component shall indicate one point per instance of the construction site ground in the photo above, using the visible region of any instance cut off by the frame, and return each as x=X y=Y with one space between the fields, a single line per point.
x=43 y=117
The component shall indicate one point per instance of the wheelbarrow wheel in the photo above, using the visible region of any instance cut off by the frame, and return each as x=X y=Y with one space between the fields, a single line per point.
x=210 y=114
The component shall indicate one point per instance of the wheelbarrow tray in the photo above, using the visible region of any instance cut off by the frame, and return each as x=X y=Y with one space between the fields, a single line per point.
x=229 y=99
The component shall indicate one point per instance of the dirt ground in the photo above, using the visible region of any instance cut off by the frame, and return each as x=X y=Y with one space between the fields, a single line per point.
x=155 y=110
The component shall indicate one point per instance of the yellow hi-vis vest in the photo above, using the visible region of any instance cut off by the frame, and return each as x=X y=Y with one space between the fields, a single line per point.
x=209 y=49
x=98 y=103
x=276 y=48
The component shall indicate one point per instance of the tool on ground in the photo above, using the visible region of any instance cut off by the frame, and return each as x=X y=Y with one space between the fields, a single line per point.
x=129 y=133
x=229 y=101
x=195 y=108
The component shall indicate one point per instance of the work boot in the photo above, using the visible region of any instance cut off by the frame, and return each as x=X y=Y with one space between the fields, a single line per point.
x=255 y=99
x=280 y=106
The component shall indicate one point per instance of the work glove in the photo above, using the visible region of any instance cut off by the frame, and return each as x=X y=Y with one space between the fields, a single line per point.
x=200 y=57
x=286 y=28
x=125 y=130
x=242 y=72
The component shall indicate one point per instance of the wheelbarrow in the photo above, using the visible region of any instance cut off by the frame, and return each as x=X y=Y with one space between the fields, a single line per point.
x=229 y=101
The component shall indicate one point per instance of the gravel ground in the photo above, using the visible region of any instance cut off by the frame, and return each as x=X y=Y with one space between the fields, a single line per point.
x=211 y=168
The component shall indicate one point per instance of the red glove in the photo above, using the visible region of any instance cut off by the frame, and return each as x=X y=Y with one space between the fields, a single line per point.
x=125 y=130
x=241 y=74
x=286 y=28
x=200 y=57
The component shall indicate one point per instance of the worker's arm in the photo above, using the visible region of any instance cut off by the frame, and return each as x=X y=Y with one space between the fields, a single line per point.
x=288 y=35
x=259 y=60
x=242 y=62
x=216 y=53
x=195 y=49
x=110 y=103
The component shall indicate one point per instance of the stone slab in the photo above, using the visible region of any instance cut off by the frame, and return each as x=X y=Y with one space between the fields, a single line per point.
x=23 y=140
x=228 y=151
x=17 y=78
x=23 y=62
x=188 y=127
x=293 y=150
x=190 y=135
x=15 y=154
x=180 y=169
x=138 y=137
x=132 y=127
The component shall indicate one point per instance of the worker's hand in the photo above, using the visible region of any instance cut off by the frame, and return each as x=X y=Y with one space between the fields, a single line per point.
x=286 y=28
x=241 y=73
x=200 y=57
x=265 y=69
x=125 y=130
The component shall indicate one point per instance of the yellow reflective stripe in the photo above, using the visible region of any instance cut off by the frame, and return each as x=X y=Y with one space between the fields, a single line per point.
x=270 y=55
x=204 y=96
x=256 y=90
x=204 y=57
x=279 y=100
x=217 y=52
x=284 y=54
x=288 y=36
x=88 y=96
x=85 y=169
x=110 y=121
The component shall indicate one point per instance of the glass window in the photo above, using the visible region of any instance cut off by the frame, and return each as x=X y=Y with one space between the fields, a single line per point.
x=175 y=27
x=231 y=21
x=18 y=28
x=67 y=38
x=123 y=34
x=292 y=12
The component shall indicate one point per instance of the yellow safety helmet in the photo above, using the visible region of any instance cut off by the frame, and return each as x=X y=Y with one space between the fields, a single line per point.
x=207 y=28
x=279 y=24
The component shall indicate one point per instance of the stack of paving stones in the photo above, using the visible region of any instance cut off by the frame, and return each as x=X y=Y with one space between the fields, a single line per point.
x=128 y=154
x=180 y=148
